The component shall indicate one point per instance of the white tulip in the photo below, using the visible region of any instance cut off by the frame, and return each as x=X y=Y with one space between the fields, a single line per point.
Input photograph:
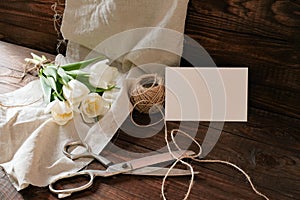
x=61 y=111
x=75 y=92
x=93 y=106
x=102 y=75
x=111 y=95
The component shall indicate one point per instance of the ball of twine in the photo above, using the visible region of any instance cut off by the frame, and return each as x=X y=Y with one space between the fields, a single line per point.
x=148 y=94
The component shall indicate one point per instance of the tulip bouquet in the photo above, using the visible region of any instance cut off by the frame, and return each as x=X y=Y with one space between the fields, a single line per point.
x=70 y=89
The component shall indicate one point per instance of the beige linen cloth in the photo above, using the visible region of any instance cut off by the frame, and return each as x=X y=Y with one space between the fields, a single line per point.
x=31 y=142
x=131 y=32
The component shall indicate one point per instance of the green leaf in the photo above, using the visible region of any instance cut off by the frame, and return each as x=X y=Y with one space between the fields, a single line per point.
x=61 y=81
x=100 y=90
x=52 y=83
x=36 y=57
x=45 y=80
x=58 y=96
x=64 y=76
x=44 y=57
x=86 y=82
x=51 y=71
x=46 y=89
x=81 y=64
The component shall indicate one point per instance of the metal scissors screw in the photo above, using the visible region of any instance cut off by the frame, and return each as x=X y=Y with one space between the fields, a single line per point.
x=140 y=166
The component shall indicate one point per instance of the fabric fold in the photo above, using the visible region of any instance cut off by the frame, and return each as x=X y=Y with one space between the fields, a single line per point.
x=99 y=27
x=130 y=33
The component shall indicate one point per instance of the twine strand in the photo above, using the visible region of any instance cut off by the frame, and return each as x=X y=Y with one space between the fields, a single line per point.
x=27 y=70
x=147 y=125
x=139 y=103
x=180 y=159
x=57 y=20
x=195 y=158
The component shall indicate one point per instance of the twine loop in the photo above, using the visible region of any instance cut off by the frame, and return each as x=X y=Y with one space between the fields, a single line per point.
x=148 y=93
x=143 y=98
x=196 y=158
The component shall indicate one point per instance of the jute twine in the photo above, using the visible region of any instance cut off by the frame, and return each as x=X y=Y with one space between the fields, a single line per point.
x=57 y=21
x=27 y=69
x=196 y=158
x=143 y=104
x=149 y=92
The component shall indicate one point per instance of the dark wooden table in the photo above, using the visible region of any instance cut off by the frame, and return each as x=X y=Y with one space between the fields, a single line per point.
x=263 y=35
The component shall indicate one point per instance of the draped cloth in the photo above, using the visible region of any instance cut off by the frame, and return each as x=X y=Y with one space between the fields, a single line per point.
x=31 y=142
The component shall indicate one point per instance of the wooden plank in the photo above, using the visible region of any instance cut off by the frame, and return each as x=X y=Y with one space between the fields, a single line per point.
x=215 y=179
x=38 y=23
x=269 y=64
x=7 y=191
x=28 y=38
x=214 y=182
x=262 y=126
x=266 y=127
x=281 y=16
x=12 y=63
x=266 y=165
x=30 y=23
x=266 y=147
x=261 y=35
x=275 y=100
x=38 y=8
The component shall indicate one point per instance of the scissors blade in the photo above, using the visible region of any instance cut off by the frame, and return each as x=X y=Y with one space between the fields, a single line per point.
x=159 y=171
x=146 y=161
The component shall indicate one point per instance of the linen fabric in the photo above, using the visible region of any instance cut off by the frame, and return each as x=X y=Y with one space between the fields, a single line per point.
x=31 y=142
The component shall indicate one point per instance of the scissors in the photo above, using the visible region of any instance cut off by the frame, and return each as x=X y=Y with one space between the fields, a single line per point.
x=138 y=166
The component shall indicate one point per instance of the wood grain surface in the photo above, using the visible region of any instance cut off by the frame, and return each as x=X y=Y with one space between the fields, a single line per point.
x=31 y=23
x=263 y=35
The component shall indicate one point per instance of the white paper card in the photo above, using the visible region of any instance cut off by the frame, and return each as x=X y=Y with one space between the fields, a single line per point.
x=206 y=94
